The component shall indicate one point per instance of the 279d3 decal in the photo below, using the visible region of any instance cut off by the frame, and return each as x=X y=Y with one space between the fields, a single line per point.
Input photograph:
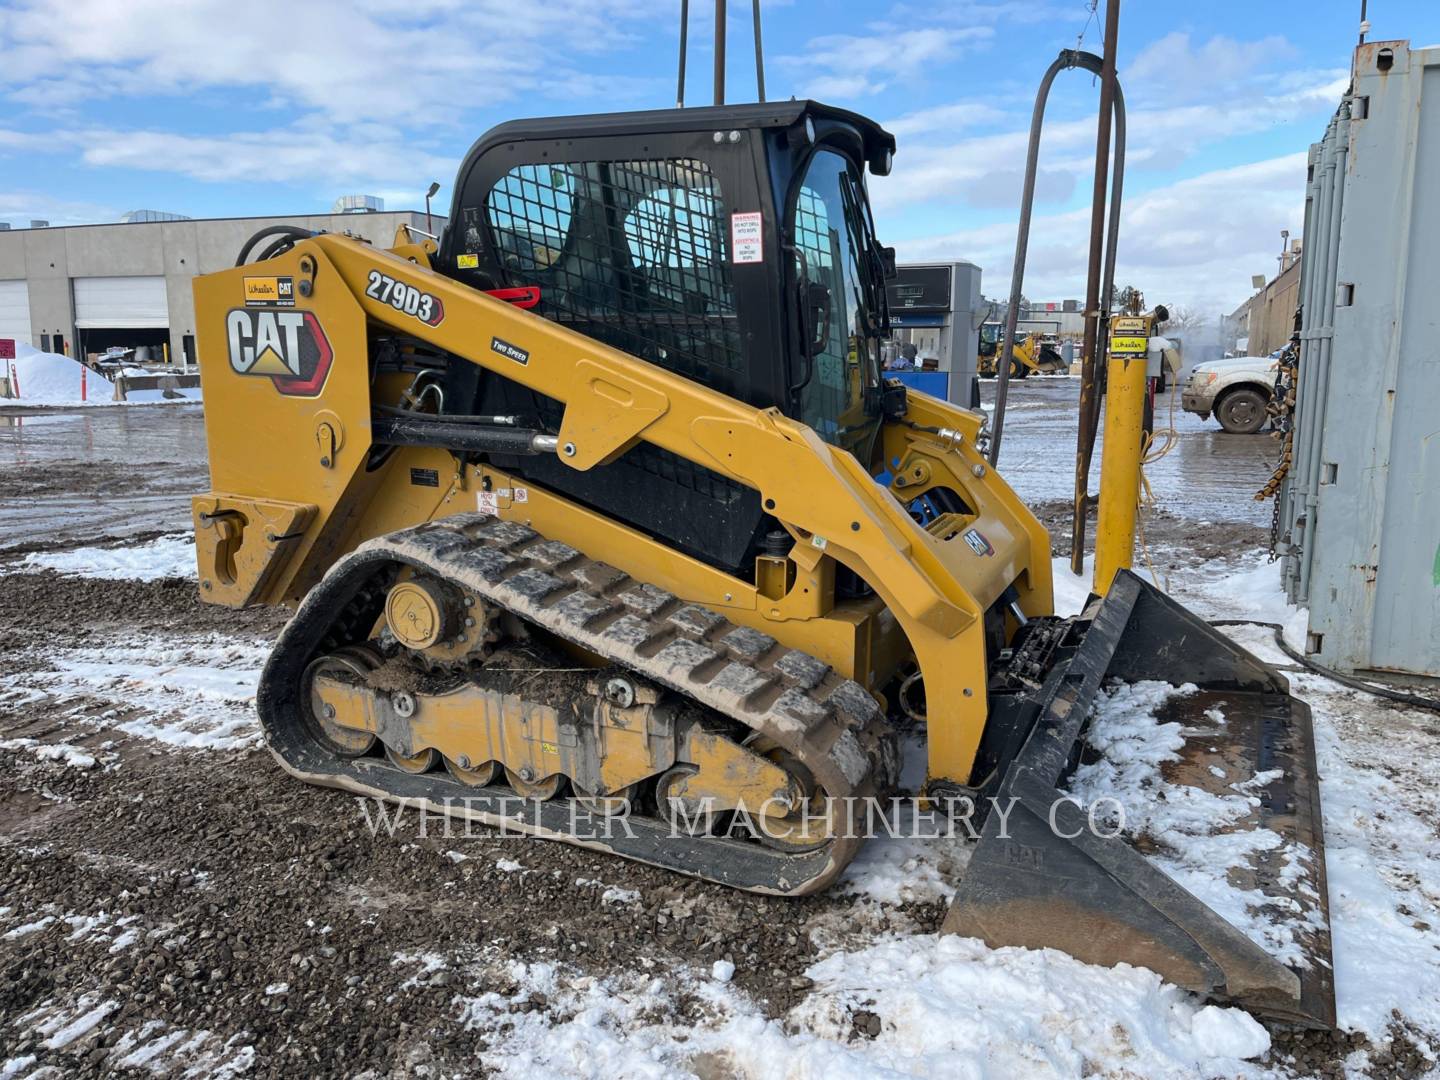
x=405 y=298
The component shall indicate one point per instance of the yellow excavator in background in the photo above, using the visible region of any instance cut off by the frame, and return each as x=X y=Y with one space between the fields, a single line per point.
x=600 y=521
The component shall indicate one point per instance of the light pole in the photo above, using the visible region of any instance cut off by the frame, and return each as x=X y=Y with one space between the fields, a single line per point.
x=434 y=187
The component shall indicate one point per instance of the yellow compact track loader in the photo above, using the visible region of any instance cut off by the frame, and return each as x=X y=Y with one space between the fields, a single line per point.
x=599 y=520
x=1030 y=354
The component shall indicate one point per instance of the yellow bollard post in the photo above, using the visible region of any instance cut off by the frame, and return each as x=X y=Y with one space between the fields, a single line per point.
x=1120 y=453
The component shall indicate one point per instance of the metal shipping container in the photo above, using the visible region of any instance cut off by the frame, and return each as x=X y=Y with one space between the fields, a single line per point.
x=1360 y=511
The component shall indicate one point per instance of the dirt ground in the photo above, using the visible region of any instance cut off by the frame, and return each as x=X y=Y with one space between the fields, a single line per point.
x=205 y=903
x=241 y=879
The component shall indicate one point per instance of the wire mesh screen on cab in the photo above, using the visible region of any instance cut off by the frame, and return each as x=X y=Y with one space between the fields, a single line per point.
x=632 y=253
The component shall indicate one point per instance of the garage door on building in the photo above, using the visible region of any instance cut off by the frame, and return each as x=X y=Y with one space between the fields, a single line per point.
x=15 y=311
x=121 y=302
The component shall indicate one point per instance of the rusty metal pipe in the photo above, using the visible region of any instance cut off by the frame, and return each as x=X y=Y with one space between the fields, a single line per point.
x=684 y=35
x=1089 y=407
x=1068 y=58
x=719 y=52
x=759 y=52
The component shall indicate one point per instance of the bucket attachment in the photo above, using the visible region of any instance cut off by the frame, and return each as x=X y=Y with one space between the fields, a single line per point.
x=1043 y=877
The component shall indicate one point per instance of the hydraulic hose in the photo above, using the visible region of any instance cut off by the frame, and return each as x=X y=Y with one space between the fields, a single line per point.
x=289 y=234
x=1414 y=700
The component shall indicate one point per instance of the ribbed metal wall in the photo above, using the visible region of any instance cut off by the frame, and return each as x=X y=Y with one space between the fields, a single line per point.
x=1360 y=511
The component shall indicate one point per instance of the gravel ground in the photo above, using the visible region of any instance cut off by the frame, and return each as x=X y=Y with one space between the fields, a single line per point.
x=202 y=905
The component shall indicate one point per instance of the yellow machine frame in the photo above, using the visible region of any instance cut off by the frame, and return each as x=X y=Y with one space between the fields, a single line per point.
x=933 y=584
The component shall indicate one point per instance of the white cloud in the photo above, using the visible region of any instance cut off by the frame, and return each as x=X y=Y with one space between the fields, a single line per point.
x=21 y=207
x=838 y=66
x=421 y=62
x=945 y=118
x=266 y=156
x=974 y=168
x=1175 y=69
x=1194 y=242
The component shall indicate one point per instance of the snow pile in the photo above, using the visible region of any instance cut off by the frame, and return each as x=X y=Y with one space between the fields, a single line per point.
x=937 y=1007
x=142 y=397
x=167 y=557
x=69 y=756
x=44 y=378
x=1071 y=590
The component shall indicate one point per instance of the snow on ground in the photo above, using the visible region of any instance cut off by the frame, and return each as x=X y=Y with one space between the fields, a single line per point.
x=1380 y=799
x=118 y=932
x=933 y=1006
x=153 y=1046
x=74 y=757
x=166 y=557
x=194 y=692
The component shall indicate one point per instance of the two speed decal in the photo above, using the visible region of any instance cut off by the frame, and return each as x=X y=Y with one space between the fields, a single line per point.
x=406 y=299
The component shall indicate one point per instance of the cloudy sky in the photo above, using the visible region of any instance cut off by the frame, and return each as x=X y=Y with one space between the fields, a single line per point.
x=218 y=108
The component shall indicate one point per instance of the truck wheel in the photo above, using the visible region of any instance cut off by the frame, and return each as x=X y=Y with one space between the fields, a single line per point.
x=1018 y=370
x=1241 y=411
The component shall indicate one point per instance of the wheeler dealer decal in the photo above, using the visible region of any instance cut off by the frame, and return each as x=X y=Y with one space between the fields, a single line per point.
x=510 y=352
x=978 y=544
x=269 y=292
x=405 y=298
x=288 y=347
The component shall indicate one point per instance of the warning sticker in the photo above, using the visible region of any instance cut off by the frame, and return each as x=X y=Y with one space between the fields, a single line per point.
x=522 y=494
x=467 y=262
x=747 y=238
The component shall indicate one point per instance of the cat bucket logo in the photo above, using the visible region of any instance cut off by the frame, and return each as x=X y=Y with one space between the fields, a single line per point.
x=288 y=347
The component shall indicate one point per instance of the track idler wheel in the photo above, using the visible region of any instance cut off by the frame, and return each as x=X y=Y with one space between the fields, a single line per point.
x=808 y=826
x=354 y=660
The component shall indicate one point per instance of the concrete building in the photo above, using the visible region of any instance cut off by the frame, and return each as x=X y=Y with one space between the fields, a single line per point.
x=1064 y=319
x=81 y=289
x=1265 y=322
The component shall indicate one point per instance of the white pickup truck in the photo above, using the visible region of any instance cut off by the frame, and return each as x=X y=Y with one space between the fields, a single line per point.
x=1235 y=390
